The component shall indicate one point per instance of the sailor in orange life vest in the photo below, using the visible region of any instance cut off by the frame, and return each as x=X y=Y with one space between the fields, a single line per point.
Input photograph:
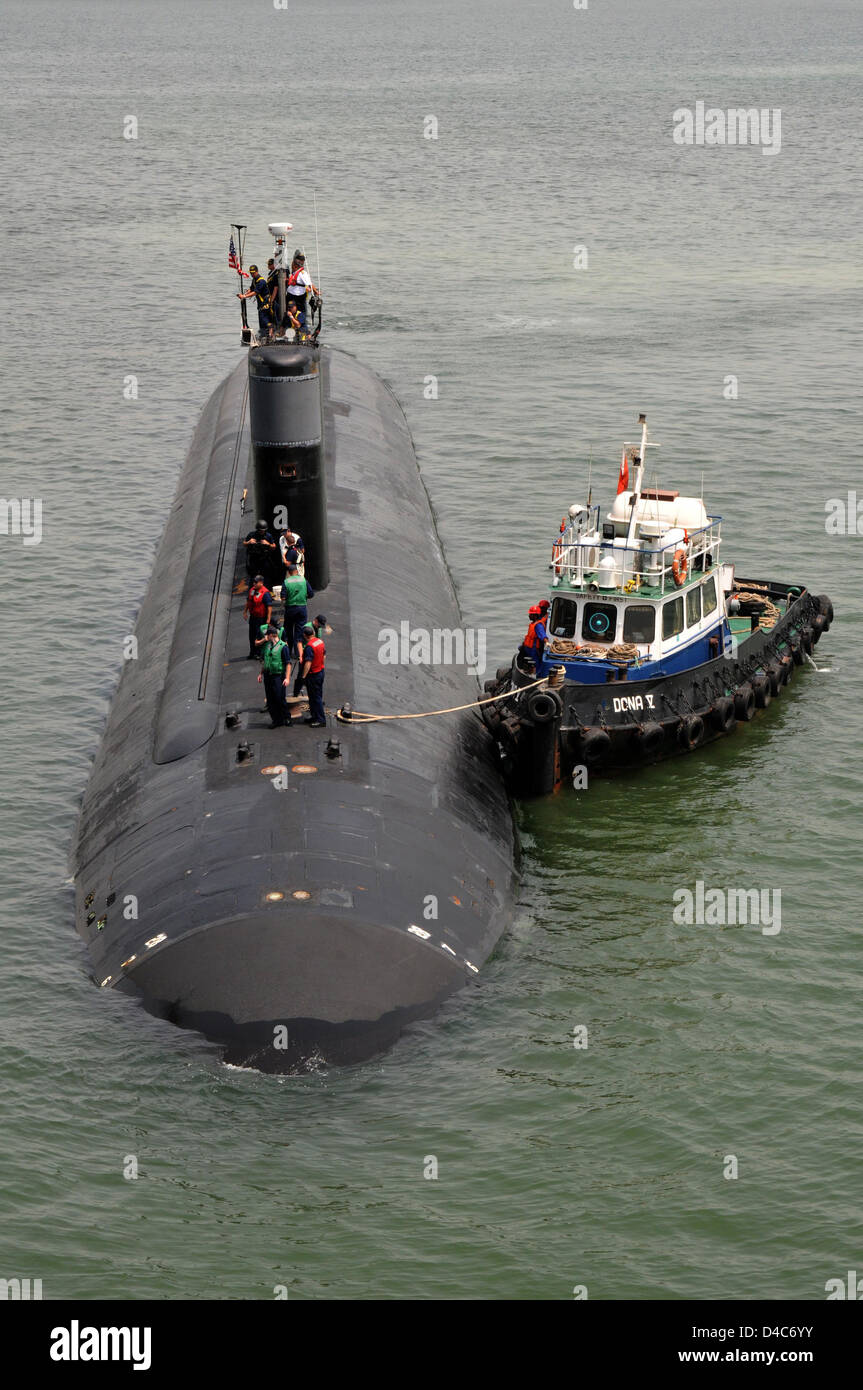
x=259 y=604
x=299 y=286
x=535 y=637
x=314 y=658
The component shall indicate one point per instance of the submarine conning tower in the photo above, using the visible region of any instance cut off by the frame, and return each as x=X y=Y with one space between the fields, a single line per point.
x=286 y=420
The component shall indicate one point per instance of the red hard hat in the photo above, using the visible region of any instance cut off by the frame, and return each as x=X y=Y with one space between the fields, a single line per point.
x=534 y=612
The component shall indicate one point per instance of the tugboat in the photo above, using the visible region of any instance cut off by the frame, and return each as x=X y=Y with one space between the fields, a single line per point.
x=653 y=646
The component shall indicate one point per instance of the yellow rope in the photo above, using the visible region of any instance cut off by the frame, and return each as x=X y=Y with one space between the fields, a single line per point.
x=356 y=717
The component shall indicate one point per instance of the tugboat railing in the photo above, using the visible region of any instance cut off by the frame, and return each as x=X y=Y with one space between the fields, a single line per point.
x=635 y=567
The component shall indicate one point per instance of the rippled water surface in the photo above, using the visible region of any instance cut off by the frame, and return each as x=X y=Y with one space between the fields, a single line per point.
x=451 y=258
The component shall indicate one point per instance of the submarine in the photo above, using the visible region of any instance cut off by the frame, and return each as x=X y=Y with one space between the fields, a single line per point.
x=297 y=895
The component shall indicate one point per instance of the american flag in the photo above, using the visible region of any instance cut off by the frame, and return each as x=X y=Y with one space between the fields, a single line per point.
x=233 y=259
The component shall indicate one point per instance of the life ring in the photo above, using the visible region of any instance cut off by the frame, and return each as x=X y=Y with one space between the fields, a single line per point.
x=679 y=567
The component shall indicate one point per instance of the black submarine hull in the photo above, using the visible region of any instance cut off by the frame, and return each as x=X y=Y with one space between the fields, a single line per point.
x=289 y=900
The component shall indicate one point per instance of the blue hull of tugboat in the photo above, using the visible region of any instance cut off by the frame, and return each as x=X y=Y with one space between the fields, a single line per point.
x=612 y=723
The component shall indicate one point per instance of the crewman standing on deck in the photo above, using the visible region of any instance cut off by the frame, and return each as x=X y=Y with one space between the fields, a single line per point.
x=258 y=291
x=533 y=645
x=314 y=661
x=259 y=604
x=276 y=677
x=296 y=591
x=319 y=623
x=300 y=286
x=293 y=550
x=261 y=549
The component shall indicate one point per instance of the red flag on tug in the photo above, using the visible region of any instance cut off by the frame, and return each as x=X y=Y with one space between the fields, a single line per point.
x=623 y=476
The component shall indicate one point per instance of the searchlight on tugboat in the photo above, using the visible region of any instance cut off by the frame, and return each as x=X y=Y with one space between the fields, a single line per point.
x=652 y=645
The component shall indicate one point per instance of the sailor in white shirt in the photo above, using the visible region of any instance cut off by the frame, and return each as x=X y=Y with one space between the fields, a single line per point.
x=300 y=285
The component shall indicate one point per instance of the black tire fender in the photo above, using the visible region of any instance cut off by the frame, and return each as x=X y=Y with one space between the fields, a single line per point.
x=543 y=706
x=595 y=747
x=650 y=739
x=763 y=693
x=723 y=714
x=744 y=703
x=690 y=731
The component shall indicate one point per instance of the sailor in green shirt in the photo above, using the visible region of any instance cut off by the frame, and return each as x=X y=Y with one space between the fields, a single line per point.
x=276 y=677
x=296 y=592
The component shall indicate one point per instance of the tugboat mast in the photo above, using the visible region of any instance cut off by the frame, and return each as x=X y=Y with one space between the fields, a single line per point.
x=639 y=475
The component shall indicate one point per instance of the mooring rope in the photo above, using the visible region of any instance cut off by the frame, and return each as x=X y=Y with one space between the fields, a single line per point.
x=356 y=717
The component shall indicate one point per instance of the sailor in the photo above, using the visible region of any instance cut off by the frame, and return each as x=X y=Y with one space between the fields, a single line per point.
x=276 y=677
x=299 y=286
x=260 y=641
x=293 y=550
x=533 y=645
x=258 y=291
x=296 y=591
x=260 y=549
x=292 y=322
x=319 y=623
x=259 y=604
x=313 y=663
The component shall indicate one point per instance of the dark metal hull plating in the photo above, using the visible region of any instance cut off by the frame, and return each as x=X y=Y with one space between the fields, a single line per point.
x=393 y=861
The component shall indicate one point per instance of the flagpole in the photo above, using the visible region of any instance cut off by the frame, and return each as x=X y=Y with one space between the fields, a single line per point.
x=240 y=227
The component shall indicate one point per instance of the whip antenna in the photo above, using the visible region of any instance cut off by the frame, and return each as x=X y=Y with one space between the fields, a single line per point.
x=317 y=246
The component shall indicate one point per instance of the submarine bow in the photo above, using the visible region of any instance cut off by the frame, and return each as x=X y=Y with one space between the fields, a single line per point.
x=294 y=892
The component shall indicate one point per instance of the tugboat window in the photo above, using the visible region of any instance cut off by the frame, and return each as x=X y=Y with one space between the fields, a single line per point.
x=639 y=623
x=709 y=590
x=564 y=615
x=672 y=617
x=693 y=607
x=599 y=623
